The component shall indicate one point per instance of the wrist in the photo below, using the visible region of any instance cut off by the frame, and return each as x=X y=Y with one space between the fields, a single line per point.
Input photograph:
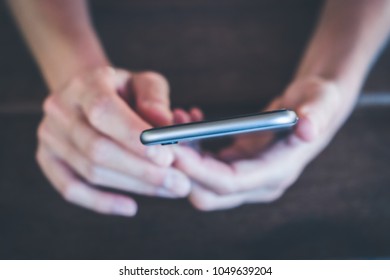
x=71 y=64
x=347 y=75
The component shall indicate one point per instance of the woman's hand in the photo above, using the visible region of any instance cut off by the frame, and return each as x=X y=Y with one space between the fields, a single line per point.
x=89 y=137
x=260 y=167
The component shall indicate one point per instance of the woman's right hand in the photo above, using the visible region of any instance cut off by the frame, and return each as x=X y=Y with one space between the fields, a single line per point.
x=89 y=137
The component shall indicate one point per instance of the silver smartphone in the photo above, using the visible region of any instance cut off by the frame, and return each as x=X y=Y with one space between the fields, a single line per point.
x=272 y=120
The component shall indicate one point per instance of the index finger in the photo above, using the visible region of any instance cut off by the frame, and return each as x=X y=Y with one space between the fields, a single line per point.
x=105 y=110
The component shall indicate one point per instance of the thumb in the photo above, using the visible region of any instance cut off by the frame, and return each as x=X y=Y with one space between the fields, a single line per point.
x=316 y=112
x=248 y=145
x=151 y=95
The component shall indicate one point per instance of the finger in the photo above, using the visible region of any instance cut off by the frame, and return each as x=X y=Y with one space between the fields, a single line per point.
x=180 y=116
x=206 y=200
x=108 y=165
x=196 y=114
x=205 y=170
x=80 y=193
x=123 y=85
x=316 y=112
x=276 y=168
x=151 y=93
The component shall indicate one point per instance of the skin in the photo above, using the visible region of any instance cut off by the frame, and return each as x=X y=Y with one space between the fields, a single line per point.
x=94 y=114
x=89 y=135
x=260 y=168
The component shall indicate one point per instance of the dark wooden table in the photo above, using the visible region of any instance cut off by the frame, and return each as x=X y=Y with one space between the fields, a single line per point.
x=241 y=52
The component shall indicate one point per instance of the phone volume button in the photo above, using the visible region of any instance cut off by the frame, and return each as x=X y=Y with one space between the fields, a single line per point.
x=169 y=143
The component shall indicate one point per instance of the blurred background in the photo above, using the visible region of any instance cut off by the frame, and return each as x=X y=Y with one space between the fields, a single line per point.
x=244 y=53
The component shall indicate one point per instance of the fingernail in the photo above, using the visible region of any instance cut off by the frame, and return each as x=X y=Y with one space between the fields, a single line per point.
x=165 y=193
x=177 y=183
x=160 y=155
x=124 y=209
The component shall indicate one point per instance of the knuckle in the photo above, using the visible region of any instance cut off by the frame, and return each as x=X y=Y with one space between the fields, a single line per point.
x=152 y=174
x=68 y=192
x=104 y=72
x=74 y=129
x=77 y=83
x=229 y=186
x=97 y=150
x=315 y=86
x=99 y=107
x=203 y=203
x=92 y=174
x=103 y=77
x=48 y=104
x=42 y=131
x=155 y=77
